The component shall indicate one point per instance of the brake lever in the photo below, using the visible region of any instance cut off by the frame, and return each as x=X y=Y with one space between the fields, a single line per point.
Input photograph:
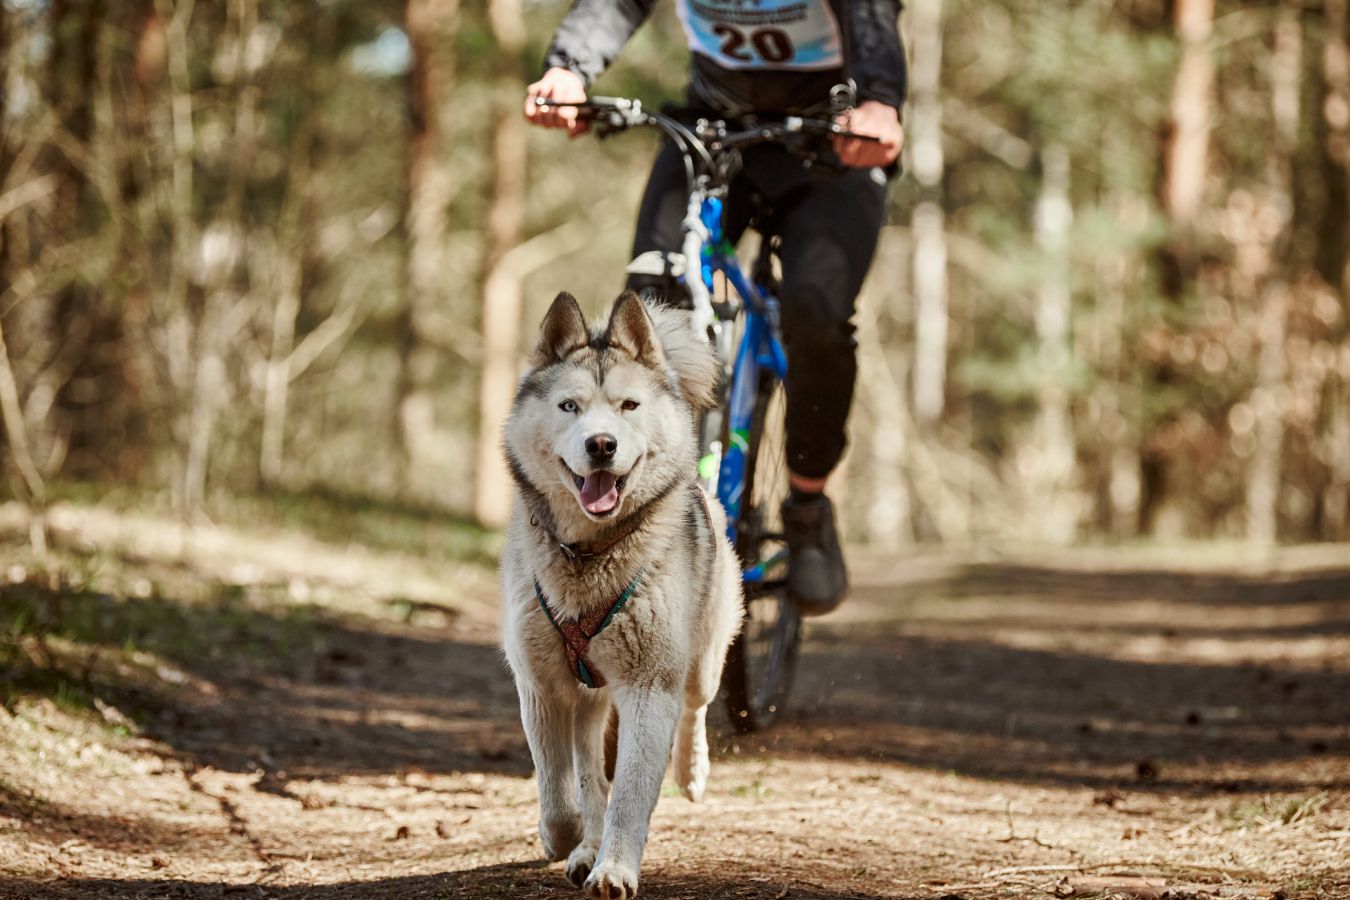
x=819 y=128
x=853 y=135
x=609 y=115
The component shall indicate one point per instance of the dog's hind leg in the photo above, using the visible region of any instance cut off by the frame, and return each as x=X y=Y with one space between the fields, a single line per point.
x=691 y=751
x=592 y=712
x=548 y=721
x=691 y=737
x=611 y=742
x=647 y=717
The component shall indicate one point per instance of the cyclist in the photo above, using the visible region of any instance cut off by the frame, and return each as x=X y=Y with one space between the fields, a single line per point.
x=771 y=57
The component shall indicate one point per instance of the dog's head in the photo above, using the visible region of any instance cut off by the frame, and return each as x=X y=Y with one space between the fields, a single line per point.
x=604 y=419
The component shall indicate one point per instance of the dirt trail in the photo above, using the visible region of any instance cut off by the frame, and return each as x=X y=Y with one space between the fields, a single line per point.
x=958 y=731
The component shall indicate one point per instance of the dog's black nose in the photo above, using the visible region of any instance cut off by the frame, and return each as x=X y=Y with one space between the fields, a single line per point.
x=601 y=446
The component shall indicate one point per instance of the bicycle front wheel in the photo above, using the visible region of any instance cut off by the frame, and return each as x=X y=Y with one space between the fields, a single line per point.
x=763 y=659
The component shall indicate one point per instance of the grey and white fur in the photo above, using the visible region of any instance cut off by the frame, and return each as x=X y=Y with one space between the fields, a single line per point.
x=600 y=442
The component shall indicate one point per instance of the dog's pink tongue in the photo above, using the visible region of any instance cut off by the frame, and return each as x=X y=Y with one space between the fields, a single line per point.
x=599 y=494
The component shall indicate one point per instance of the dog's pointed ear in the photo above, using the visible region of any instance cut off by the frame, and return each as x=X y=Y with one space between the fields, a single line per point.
x=631 y=329
x=563 y=331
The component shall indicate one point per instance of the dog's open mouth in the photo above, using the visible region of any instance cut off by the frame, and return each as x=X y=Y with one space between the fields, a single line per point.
x=599 y=490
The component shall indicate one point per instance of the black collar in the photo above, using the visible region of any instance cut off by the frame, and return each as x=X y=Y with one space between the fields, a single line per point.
x=579 y=552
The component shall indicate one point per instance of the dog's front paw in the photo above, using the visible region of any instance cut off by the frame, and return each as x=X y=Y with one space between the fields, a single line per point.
x=580 y=863
x=559 y=836
x=611 y=881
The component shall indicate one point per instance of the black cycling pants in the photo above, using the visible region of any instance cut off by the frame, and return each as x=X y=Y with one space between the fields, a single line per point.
x=828 y=224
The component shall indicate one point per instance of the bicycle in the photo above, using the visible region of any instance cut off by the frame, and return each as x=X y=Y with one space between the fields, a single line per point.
x=744 y=455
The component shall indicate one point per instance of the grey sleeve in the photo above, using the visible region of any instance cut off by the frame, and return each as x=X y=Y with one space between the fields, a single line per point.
x=593 y=33
x=877 y=58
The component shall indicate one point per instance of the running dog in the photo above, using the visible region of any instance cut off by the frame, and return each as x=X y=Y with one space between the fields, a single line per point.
x=621 y=590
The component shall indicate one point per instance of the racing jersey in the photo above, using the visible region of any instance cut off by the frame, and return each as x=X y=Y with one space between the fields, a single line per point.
x=753 y=55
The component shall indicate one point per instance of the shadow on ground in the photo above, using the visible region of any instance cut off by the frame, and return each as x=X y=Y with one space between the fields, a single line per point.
x=518 y=880
x=53 y=823
x=1197 y=588
x=931 y=681
x=241 y=683
x=948 y=681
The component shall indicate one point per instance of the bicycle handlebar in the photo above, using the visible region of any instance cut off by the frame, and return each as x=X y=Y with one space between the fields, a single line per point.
x=709 y=153
x=620 y=113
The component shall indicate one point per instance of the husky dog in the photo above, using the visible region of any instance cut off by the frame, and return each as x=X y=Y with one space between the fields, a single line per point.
x=621 y=591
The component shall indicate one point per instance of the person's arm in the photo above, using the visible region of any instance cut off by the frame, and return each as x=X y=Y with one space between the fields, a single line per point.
x=877 y=66
x=586 y=42
x=877 y=63
x=593 y=33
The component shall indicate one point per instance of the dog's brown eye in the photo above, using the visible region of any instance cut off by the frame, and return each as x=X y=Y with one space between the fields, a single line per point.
x=629 y=405
x=568 y=406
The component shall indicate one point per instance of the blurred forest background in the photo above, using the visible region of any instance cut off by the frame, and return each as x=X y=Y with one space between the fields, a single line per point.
x=253 y=247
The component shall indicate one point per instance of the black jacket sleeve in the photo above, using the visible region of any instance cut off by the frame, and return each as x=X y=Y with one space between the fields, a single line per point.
x=877 y=59
x=593 y=33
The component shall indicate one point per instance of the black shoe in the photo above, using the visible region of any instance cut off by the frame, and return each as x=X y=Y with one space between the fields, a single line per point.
x=817 y=580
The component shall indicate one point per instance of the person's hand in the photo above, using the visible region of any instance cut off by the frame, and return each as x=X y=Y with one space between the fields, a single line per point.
x=557 y=86
x=874 y=119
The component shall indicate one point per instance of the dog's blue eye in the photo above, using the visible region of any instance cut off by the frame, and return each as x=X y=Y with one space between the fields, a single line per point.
x=568 y=406
x=629 y=405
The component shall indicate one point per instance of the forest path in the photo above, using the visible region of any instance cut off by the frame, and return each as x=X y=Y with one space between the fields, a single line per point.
x=998 y=729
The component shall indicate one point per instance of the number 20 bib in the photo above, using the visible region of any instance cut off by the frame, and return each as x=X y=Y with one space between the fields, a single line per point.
x=763 y=34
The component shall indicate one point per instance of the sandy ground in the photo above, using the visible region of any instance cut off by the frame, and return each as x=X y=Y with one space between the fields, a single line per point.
x=1008 y=728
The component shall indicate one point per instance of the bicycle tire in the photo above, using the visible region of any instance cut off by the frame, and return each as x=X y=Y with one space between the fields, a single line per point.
x=762 y=661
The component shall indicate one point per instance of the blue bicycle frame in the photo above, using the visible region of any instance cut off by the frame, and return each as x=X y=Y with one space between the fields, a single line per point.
x=759 y=349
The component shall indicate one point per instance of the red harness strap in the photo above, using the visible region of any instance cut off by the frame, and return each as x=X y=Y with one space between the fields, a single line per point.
x=578 y=633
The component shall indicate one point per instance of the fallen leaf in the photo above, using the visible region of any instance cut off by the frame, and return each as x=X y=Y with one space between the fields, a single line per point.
x=1109 y=797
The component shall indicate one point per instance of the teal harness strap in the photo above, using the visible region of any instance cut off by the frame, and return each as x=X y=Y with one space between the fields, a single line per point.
x=577 y=634
x=620 y=603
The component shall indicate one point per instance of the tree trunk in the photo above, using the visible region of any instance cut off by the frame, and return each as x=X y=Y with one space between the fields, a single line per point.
x=431 y=27
x=930 y=243
x=1336 y=267
x=287 y=276
x=54 y=324
x=1334 y=245
x=1187 y=150
x=1184 y=168
x=1116 y=407
x=15 y=430
x=1053 y=452
x=501 y=289
x=1263 y=484
x=886 y=506
x=16 y=438
x=1336 y=500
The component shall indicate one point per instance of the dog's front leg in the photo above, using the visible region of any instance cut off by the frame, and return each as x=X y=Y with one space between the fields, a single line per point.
x=647 y=718
x=589 y=741
x=548 y=729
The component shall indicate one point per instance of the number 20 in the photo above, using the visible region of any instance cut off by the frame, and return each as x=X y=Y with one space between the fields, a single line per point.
x=772 y=44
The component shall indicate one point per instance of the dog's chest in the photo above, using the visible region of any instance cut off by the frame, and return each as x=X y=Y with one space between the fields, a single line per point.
x=607 y=643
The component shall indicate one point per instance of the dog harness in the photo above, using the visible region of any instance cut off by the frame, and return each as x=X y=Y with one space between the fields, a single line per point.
x=578 y=633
